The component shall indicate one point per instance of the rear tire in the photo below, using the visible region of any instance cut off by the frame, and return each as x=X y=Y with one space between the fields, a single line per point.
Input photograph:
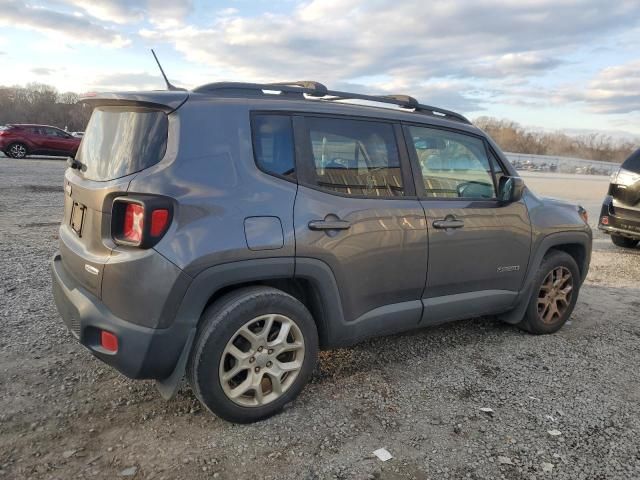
x=623 y=242
x=255 y=350
x=556 y=289
x=17 y=150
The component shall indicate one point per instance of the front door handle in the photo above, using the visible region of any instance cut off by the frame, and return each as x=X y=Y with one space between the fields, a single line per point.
x=329 y=225
x=448 y=222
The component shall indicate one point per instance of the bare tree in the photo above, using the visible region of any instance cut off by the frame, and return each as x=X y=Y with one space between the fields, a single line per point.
x=512 y=137
x=39 y=103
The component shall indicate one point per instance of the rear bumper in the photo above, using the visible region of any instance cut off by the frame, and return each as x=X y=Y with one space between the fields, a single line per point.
x=142 y=352
x=627 y=225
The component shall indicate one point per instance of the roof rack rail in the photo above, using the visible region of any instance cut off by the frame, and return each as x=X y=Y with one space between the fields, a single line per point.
x=316 y=89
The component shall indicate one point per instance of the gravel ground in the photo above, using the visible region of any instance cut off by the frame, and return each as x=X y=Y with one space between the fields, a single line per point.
x=65 y=415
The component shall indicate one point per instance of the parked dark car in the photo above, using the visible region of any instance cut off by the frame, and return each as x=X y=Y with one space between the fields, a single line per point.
x=620 y=216
x=229 y=232
x=21 y=140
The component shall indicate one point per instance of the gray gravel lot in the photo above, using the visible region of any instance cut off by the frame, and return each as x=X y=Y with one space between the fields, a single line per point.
x=65 y=415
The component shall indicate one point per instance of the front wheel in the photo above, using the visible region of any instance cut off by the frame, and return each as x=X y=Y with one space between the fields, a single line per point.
x=254 y=353
x=17 y=150
x=555 y=293
x=623 y=242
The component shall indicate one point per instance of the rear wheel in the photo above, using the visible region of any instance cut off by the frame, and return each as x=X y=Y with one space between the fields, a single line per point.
x=255 y=351
x=17 y=150
x=557 y=284
x=623 y=242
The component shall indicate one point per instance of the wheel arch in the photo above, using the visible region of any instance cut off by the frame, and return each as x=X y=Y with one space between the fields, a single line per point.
x=577 y=244
x=308 y=280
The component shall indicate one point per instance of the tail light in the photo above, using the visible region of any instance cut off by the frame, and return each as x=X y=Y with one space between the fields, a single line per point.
x=140 y=221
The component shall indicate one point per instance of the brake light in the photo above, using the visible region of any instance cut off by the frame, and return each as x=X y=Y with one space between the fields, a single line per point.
x=159 y=222
x=140 y=220
x=133 y=223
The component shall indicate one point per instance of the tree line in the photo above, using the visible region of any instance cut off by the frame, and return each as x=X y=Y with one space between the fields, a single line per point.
x=514 y=138
x=43 y=104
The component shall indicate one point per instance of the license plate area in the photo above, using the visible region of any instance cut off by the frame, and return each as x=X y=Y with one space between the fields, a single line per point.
x=77 y=218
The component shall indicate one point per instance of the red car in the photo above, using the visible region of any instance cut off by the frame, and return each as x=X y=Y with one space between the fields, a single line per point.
x=20 y=140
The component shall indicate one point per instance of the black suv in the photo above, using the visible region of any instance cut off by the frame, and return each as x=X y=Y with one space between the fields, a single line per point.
x=620 y=216
x=228 y=232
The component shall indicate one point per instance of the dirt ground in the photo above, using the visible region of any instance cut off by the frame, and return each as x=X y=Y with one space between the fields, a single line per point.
x=564 y=405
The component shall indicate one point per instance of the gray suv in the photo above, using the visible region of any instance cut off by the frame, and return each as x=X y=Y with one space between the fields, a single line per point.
x=227 y=233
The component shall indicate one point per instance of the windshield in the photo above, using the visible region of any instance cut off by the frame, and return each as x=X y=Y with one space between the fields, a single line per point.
x=633 y=162
x=120 y=141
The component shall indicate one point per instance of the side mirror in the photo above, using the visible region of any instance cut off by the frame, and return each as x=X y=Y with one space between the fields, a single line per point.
x=511 y=189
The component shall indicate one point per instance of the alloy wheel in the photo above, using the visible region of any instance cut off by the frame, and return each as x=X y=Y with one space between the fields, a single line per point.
x=261 y=360
x=18 y=150
x=555 y=295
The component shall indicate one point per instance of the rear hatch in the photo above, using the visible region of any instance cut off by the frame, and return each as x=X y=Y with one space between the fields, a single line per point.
x=126 y=134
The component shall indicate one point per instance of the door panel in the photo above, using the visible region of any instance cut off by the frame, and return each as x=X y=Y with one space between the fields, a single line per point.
x=478 y=246
x=489 y=252
x=352 y=212
x=380 y=259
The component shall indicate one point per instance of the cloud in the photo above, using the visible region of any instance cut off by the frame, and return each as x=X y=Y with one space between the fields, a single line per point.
x=126 y=81
x=343 y=40
x=71 y=27
x=614 y=90
x=43 y=71
x=159 y=12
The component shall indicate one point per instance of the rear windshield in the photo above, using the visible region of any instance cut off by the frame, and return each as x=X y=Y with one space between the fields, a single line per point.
x=633 y=162
x=120 y=141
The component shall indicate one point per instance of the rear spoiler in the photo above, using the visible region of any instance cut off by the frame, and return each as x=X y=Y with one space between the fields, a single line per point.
x=167 y=101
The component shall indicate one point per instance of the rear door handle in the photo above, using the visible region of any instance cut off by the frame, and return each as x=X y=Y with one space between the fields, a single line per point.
x=446 y=223
x=329 y=225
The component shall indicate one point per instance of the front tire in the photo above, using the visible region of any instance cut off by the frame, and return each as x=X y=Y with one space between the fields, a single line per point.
x=17 y=150
x=556 y=288
x=256 y=349
x=623 y=242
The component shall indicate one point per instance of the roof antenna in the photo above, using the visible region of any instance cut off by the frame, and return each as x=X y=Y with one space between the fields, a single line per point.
x=166 y=80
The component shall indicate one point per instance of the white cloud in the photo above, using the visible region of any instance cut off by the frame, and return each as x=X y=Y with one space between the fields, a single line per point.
x=126 y=81
x=414 y=44
x=160 y=12
x=58 y=24
x=615 y=89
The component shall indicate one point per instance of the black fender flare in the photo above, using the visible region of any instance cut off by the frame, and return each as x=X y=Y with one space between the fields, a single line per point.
x=539 y=250
x=214 y=278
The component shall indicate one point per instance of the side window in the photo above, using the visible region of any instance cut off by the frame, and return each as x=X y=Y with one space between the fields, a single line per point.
x=273 y=144
x=453 y=165
x=355 y=157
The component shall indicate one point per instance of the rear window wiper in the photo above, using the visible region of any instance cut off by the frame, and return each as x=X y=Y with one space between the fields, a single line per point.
x=76 y=164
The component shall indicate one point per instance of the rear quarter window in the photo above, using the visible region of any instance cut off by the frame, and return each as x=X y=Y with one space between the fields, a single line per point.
x=273 y=144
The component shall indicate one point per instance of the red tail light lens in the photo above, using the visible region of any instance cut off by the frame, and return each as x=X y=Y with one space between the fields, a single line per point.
x=140 y=220
x=159 y=222
x=133 y=223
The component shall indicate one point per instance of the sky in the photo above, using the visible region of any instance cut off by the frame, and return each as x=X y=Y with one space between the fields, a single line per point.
x=549 y=64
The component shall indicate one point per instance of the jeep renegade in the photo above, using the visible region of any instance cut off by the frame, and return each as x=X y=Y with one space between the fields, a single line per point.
x=227 y=233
